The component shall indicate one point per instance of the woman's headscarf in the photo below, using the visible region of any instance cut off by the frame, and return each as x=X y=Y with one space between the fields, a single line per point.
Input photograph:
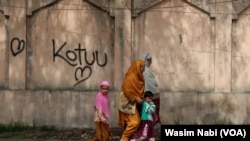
x=102 y=100
x=145 y=57
x=150 y=82
x=133 y=84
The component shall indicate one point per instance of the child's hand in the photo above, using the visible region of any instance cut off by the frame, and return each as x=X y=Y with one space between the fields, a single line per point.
x=151 y=103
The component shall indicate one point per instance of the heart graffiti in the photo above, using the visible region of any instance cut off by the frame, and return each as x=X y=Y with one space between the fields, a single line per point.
x=84 y=74
x=18 y=47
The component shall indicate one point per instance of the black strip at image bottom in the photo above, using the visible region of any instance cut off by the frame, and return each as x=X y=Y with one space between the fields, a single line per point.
x=216 y=132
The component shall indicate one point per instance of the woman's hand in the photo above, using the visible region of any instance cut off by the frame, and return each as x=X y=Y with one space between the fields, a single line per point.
x=139 y=100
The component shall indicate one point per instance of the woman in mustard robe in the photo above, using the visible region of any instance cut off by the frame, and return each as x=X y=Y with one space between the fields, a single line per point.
x=133 y=89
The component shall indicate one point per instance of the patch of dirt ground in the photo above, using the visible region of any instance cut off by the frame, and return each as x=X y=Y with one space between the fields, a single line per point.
x=60 y=135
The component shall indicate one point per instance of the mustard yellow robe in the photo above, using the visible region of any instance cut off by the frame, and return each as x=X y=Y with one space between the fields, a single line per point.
x=133 y=87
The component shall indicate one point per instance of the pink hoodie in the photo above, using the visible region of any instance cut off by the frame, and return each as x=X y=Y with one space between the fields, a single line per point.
x=102 y=100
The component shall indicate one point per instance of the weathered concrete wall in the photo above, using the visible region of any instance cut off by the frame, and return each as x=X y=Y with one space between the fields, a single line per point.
x=3 y=51
x=179 y=54
x=54 y=53
x=63 y=109
x=75 y=42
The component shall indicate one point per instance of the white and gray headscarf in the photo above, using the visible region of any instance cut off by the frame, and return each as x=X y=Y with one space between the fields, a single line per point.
x=150 y=82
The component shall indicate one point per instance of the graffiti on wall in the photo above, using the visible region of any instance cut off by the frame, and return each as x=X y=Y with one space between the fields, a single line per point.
x=78 y=58
x=17 y=46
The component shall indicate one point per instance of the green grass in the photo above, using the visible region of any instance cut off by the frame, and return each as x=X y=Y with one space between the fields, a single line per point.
x=12 y=127
x=18 y=130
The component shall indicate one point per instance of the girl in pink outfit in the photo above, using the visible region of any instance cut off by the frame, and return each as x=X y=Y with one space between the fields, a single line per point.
x=102 y=113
